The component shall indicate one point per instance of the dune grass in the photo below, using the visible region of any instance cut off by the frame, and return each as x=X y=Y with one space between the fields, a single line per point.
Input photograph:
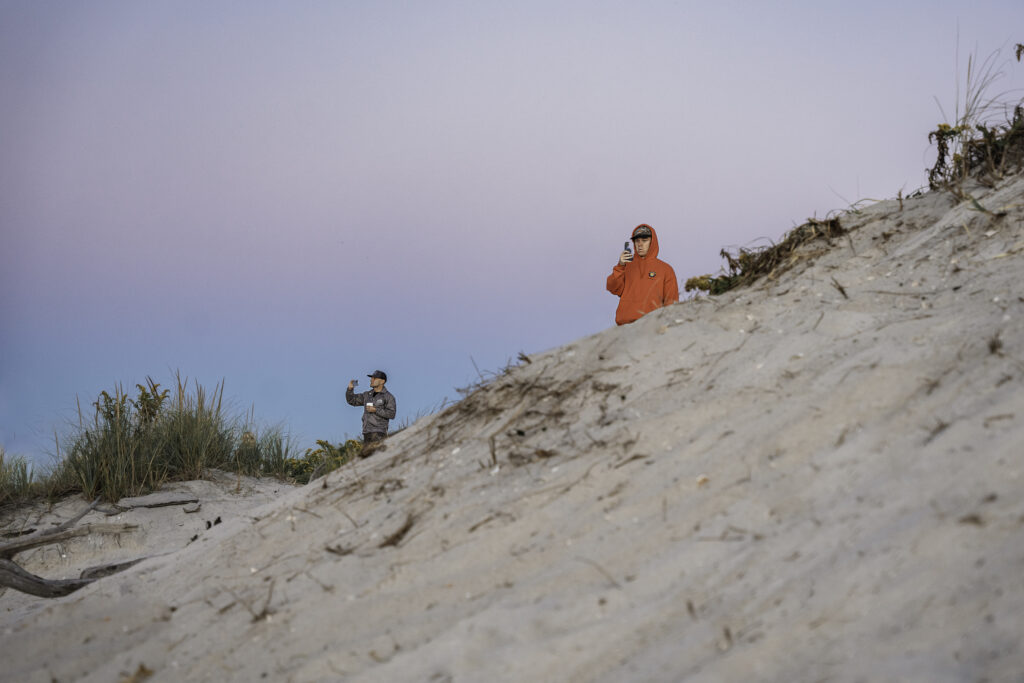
x=748 y=265
x=976 y=144
x=985 y=138
x=16 y=479
x=113 y=452
x=129 y=445
x=325 y=458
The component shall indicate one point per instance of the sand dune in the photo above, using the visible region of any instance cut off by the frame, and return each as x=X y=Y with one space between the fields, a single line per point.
x=817 y=478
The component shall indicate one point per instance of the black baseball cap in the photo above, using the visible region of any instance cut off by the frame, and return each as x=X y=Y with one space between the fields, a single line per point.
x=379 y=374
x=642 y=230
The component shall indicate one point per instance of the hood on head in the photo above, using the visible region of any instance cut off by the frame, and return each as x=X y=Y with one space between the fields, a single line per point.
x=653 y=251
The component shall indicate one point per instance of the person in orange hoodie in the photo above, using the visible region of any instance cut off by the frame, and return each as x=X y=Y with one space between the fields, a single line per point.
x=642 y=283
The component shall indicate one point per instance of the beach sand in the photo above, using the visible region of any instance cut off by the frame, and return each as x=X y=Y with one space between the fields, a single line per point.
x=816 y=478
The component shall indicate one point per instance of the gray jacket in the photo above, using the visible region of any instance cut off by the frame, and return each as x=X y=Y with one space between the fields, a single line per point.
x=383 y=401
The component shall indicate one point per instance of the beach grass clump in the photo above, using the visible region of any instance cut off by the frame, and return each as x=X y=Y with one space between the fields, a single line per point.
x=132 y=445
x=975 y=145
x=16 y=479
x=985 y=152
x=115 y=451
x=265 y=453
x=747 y=265
x=985 y=139
x=326 y=457
x=194 y=432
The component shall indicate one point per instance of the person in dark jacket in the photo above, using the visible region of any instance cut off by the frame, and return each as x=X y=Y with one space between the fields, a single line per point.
x=378 y=406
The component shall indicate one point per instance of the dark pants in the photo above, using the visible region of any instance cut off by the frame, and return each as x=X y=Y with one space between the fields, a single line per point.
x=373 y=437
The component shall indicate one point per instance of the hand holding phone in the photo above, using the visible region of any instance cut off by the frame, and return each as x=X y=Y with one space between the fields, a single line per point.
x=627 y=254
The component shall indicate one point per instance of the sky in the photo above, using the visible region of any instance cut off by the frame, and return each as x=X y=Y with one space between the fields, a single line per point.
x=284 y=196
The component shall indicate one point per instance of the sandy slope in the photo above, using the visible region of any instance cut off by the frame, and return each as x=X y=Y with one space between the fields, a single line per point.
x=162 y=524
x=778 y=484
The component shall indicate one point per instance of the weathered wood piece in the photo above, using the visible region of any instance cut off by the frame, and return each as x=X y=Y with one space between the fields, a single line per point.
x=13 y=576
x=153 y=500
x=57 y=534
x=101 y=570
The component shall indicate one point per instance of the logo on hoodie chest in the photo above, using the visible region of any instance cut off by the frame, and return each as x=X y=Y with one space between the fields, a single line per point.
x=652 y=274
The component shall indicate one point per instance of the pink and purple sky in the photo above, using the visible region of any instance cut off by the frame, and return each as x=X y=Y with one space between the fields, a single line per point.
x=287 y=195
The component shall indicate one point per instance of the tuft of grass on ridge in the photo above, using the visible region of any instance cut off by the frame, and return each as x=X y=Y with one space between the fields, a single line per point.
x=748 y=265
x=325 y=458
x=985 y=139
x=975 y=145
x=16 y=479
x=130 y=446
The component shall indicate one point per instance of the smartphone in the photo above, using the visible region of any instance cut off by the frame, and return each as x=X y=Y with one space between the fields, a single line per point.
x=355 y=383
x=628 y=251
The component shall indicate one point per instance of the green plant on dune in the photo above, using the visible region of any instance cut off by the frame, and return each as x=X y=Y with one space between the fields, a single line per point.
x=985 y=138
x=975 y=144
x=247 y=456
x=112 y=454
x=130 y=446
x=150 y=401
x=195 y=432
x=261 y=453
x=16 y=479
x=326 y=457
x=275 y=450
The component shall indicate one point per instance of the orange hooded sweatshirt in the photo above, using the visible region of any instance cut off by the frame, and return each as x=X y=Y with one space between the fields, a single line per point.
x=644 y=284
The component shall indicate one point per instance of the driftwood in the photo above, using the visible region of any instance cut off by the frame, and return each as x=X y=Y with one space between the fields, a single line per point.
x=117 y=508
x=101 y=570
x=12 y=548
x=13 y=576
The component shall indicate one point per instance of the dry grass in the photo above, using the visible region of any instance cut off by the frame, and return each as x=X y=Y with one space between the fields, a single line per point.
x=985 y=139
x=748 y=265
x=975 y=145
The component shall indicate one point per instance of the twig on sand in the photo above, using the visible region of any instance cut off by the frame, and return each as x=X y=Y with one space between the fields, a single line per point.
x=601 y=569
x=938 y=429
x=339 y=550
x=479 y=524
x=266 y=611
x=882 y=291
x=638 y=456
x=101 y=570
x=263 y=614
x=722 y=354
x=396 y=538
x=74 y=520
x=118 y=509
x=308 y=512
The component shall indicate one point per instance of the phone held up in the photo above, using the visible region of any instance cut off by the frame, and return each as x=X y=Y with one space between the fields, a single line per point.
x=629 y=252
